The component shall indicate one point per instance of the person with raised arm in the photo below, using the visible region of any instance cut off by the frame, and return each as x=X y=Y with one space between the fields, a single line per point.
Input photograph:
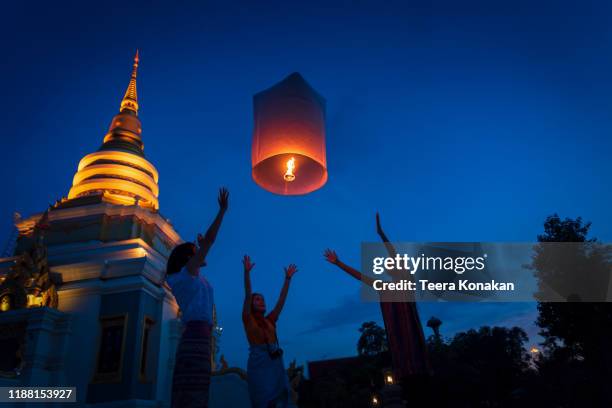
x=404 y=330
x=194 y=295
x=267 y=378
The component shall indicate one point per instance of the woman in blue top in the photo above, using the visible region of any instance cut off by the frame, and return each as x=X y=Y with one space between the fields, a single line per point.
x=194 y=295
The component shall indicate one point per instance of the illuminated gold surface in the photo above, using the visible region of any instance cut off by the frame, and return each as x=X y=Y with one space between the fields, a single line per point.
x=121 y=157
x=130 y=99
x=119 y=199
x=5 y=303
x=117 y=187
x=118 y=170
x=34 y=301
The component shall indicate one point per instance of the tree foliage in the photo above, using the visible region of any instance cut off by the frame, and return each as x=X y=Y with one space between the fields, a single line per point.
x=373 y=340
x=483 y=367
x=577 y=365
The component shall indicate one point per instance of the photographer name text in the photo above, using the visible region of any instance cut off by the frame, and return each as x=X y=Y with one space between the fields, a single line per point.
x=412 y=264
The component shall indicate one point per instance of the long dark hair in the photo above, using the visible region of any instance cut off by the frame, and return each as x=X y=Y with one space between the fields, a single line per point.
x=179 y=257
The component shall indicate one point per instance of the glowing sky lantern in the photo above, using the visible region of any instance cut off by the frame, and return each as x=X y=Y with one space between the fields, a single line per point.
x=288 y=154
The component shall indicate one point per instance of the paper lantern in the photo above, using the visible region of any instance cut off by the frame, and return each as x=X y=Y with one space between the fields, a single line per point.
x=288 y=153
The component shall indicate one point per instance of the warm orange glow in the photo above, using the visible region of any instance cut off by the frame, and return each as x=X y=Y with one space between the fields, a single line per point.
x=389 y=379
x=120 y=157
x=289 y=176
x=130 y=99
x=119 y=199
x=117 y=170
x=375 y=400
x=34 y=300
x=289 y=131
x=534 y=350
x=115 y=186
x=5 y=303
x=125 y=176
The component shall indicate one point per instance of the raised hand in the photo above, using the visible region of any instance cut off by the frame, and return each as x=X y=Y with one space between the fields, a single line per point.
x=330 y=256
x=290 y=271
x=275 y=313
x=379 y=229
x=223 y=198
x=248 y=265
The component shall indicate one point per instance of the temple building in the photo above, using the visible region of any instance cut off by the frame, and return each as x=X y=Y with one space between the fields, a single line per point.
x=83 y=301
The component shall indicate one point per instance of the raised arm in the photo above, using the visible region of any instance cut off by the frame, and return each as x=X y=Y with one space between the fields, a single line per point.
x=390 y=248
x=381 y=233
x=246 y=308
x=211 y=233
x=331 y=257
x=206 y=241
x=275 y=313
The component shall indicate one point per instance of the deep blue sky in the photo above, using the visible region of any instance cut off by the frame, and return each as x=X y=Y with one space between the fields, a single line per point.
x=458 y=121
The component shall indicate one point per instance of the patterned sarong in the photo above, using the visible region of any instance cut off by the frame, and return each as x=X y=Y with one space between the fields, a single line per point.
x=191 y=378
x=267 y=378
x=406 y=340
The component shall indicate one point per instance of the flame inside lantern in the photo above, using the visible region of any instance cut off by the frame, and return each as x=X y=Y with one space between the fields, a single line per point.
x=289 y=176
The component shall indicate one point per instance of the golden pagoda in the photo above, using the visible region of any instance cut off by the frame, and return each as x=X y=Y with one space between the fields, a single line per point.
x=83 y=298
x=118 y=170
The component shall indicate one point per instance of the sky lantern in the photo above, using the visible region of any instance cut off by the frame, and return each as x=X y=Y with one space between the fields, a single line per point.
x=288 y=153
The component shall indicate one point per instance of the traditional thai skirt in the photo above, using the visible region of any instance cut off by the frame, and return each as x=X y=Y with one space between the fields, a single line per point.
x=191 y=378
x=406 y=340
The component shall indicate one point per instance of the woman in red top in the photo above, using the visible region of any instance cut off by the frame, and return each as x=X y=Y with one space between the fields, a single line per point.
x=402 y=323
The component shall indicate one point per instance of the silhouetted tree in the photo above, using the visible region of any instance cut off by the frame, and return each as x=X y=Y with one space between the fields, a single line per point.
x=350 y=384
x=480 y=368
x=576 y=368
x=434 y=323
x=373 y=339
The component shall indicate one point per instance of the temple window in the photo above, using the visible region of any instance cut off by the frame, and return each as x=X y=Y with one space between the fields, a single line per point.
x=146 y=335
x=111 y=350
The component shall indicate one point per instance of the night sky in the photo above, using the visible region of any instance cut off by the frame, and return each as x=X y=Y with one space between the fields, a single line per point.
x=458 y=121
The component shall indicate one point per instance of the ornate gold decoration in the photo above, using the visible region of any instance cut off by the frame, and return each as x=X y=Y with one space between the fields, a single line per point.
x=130 y=99
x=29 y=283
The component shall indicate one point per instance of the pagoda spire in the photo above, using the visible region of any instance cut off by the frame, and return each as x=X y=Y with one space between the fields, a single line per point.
x=130 y=99
x=119 y=170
